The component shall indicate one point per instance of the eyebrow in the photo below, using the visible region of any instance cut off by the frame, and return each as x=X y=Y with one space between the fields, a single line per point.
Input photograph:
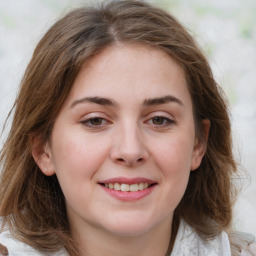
x=109 y=102
x=97 y=100
x=162 y=100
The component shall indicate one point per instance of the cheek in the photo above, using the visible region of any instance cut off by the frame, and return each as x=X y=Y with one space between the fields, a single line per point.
x=78 y=156
x=175 y=167
x=174 y=155
x=174 y=158
x=76 y=160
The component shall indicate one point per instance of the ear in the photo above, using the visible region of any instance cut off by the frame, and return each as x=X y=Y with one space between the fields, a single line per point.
x=41 y=153
x=200 y=145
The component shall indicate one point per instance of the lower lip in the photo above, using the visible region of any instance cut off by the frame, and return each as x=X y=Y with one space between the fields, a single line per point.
x=129 y=196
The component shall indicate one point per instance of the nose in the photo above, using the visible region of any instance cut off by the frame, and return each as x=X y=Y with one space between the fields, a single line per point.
x=129 y=147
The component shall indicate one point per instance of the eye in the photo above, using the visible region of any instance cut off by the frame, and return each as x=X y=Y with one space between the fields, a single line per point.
x=158 y=120
x=94 y=122
x=161 y=121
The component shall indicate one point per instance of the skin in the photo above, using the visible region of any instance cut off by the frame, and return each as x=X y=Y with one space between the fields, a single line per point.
x=131 y=137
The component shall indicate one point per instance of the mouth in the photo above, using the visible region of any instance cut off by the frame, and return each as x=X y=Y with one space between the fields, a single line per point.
x=128 y=189
x=124 y=187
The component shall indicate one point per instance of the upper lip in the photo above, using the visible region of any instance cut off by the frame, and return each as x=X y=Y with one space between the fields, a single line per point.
x=129 y=181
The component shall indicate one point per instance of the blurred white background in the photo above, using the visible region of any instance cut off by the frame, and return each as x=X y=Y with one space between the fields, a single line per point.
x=226 y=31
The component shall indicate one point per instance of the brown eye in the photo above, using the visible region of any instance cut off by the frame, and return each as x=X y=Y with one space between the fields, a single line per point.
x=161 y=121
x=158 y=120
x=96 y=121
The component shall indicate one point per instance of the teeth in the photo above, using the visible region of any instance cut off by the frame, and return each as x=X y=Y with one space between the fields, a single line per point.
x=134 y=187
x=117 y=186
x=126 y=187
x=145 y=185
x=141 y=186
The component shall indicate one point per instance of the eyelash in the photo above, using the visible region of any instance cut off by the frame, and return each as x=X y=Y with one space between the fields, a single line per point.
x=88 y=122
x=166 y=121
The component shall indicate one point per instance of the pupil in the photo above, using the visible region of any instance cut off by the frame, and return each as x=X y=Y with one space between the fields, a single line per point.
x=96 y=121
x=158 y=120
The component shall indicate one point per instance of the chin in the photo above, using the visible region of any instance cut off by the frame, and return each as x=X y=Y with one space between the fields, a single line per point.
x=130 y=227
x=129 y=231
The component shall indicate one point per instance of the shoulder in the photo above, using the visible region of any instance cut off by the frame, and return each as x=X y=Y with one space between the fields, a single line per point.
x=12 y=247
x=188 y=243
x=242 y=244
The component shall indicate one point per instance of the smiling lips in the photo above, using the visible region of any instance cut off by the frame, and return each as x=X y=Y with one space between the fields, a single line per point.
x=126 y=189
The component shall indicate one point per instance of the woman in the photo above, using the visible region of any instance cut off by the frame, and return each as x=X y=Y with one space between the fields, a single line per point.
x=120 y=143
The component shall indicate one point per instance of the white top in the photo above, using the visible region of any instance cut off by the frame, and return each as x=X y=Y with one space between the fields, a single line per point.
x=17 y=248
x=187 y=243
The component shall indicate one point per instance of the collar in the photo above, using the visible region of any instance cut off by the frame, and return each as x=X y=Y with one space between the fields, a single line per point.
x=188 y=243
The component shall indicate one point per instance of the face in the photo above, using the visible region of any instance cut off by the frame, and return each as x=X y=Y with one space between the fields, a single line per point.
x=123 y=144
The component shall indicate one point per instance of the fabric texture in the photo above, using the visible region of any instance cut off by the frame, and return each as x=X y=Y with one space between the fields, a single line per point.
x=17 y=248
x=188 y=243
x=251 y=250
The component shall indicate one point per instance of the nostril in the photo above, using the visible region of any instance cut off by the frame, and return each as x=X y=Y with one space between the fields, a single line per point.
x=120 y=160
x=128 y=161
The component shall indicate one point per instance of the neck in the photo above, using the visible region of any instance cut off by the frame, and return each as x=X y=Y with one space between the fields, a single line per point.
x=94 y=241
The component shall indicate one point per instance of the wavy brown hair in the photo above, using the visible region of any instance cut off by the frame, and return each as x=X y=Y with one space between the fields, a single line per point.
x=32 y=203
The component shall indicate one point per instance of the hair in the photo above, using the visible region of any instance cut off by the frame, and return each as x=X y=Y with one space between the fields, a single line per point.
x=32 y=203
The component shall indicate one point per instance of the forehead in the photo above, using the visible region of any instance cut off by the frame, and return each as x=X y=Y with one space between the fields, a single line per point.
x=129 y=70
